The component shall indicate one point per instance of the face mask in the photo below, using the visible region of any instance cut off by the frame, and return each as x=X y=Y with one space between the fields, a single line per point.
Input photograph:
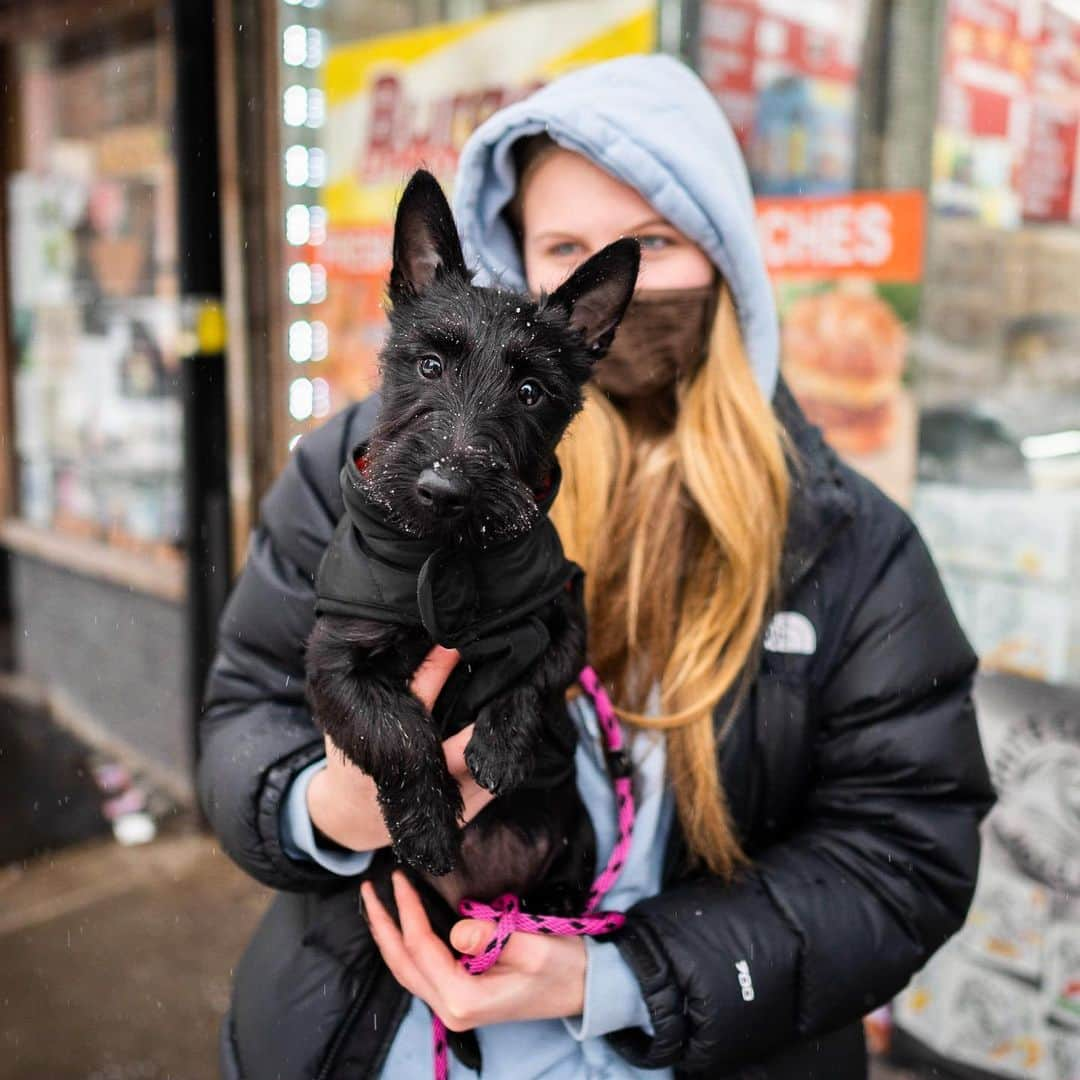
x=662 y=338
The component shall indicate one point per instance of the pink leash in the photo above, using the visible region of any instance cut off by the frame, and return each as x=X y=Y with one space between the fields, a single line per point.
x=506 y=911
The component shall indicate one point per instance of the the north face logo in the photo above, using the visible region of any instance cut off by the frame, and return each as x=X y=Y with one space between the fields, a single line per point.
x=791 y=632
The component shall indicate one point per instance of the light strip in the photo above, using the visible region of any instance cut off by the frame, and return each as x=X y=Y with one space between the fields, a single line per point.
x=1058 y=444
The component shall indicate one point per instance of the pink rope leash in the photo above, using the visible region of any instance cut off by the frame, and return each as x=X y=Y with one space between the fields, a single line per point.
x=506 y=911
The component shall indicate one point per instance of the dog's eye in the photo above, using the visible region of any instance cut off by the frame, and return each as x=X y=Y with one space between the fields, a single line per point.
x=430 y=367
x=530 y=392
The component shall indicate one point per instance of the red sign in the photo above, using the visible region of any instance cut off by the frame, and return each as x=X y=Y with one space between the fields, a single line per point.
x=875 y=235
x=748 y=44
x=1050 y=163
x=1049 y=168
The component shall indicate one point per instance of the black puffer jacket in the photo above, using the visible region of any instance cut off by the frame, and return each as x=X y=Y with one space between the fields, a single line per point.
x=853 y=770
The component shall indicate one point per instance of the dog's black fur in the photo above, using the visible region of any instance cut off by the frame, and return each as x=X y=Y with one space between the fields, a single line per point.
x=478 y=386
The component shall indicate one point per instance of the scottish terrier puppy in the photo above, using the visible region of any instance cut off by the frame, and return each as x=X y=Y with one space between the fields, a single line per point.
x=446 y=540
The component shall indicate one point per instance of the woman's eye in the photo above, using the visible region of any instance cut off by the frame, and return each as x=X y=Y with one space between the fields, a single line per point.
x=654 y=242
x=530 y=392
x=430 y=367
x=564 y=249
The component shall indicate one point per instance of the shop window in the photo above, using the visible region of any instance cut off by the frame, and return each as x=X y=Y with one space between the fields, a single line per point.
x=370 y=92
x=998 y=356
x=931 y=332
x=91 y=201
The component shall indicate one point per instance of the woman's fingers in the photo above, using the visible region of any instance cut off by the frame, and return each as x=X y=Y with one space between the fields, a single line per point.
x=473 y=795
x=536 y=977
x=430 y=955
x=392 y=946
x=471 y=935
x=452 y=994
x=430 y=677
x=454 y=749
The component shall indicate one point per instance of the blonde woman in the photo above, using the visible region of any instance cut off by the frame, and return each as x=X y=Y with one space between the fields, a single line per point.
x=773 y=631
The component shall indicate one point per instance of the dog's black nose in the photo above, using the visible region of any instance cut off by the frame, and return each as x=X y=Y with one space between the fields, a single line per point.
x=446 y=492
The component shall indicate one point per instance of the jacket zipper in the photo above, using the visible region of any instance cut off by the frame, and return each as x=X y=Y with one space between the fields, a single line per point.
x=334 y=1050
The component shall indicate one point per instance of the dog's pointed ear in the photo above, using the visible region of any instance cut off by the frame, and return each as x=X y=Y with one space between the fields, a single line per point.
x=597 y=293
x=426 y=244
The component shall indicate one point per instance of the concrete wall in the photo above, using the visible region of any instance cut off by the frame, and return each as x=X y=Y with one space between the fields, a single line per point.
x=115 y=654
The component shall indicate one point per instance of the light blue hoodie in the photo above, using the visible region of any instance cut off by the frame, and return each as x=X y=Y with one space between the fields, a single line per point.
x=650 y=122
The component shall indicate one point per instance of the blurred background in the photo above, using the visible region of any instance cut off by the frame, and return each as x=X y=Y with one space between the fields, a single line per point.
x=194 y=237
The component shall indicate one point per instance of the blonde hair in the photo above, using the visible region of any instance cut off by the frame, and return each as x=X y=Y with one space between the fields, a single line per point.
x=680 y=527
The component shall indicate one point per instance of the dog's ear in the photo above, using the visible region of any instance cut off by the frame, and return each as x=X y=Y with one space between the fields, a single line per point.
x=597 y=293
x=426 y=244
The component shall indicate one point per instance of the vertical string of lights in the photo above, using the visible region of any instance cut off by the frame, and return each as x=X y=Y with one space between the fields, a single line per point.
x=303 y=112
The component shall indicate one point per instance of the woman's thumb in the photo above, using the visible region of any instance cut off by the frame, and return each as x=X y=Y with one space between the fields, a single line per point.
x=470 y=936
x=430 y=677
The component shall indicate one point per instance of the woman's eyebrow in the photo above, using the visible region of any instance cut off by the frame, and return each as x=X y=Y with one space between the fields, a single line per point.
x=563 y=234
x=651 y=223
x=551 y=234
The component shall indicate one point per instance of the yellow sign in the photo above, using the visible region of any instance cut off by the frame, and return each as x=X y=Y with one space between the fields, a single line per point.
x=404 y=100
x=395 y=103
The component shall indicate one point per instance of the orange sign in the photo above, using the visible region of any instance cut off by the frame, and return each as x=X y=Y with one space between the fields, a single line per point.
x=868 y=234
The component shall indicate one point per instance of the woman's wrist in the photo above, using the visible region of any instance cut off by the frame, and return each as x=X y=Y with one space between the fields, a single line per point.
x=349 y=817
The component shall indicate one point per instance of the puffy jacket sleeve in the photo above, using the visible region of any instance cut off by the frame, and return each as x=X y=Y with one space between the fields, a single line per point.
x=834 y=919
x=257 y=733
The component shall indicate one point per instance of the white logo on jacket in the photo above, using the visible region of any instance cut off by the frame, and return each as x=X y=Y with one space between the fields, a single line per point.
x=746 y=984
x=791 y=632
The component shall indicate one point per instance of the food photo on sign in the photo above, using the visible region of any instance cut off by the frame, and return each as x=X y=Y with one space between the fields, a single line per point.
x=847 y=271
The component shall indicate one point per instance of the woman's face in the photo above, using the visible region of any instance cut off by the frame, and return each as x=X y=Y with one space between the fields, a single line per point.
x=571 y=209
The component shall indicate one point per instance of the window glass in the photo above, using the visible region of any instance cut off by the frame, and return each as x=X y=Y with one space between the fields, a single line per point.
x=370 y=93
x=999 y=349
x=92 y=265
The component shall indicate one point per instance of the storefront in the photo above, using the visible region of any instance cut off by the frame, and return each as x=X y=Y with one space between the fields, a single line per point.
x=99 y=384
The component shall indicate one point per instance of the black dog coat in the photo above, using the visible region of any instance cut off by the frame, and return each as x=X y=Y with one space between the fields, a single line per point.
x=486 y=603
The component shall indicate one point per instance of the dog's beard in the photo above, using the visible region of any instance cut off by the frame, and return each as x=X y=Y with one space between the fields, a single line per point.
x=501 y=505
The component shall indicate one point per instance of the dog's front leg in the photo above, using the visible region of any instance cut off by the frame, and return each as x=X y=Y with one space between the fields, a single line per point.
x=501 y=751
x=360 y=699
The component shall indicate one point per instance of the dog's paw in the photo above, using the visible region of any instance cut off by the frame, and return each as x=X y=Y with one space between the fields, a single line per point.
x=422 y=819
x=434 y=851
x=500 y=752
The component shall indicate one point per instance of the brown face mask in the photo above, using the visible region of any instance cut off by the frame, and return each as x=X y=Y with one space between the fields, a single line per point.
x=662 y=337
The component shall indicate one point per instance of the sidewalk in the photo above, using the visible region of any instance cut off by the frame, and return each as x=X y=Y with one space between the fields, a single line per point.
x=115 y=963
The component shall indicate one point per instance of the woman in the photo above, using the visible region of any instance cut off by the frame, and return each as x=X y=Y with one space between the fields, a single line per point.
x=772 y=627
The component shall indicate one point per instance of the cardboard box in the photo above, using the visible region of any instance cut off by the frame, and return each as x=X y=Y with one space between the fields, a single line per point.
x=1021 y=535
x=1008 y=923
x=1062 y=984
x=976 y=1017
x=1003 y=997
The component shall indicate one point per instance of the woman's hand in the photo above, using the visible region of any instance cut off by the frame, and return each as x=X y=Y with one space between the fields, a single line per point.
x=535 y=978
x=342 y=800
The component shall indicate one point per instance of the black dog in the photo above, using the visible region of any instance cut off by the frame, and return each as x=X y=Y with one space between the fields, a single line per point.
x=446 y=540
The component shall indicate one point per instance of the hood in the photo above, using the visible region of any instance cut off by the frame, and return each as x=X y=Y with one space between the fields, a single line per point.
x=650 y=122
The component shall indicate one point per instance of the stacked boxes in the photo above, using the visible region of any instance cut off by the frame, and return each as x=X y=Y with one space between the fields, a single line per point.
x=1010 y=560
x=1003 y=997
x=979 y=281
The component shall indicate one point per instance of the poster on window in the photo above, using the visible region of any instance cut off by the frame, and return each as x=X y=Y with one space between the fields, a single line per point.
x=397 y=102
x=1049 y=182
x=785 y=73
x=847 y=271
x=1005 y=146
x=984 y=108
